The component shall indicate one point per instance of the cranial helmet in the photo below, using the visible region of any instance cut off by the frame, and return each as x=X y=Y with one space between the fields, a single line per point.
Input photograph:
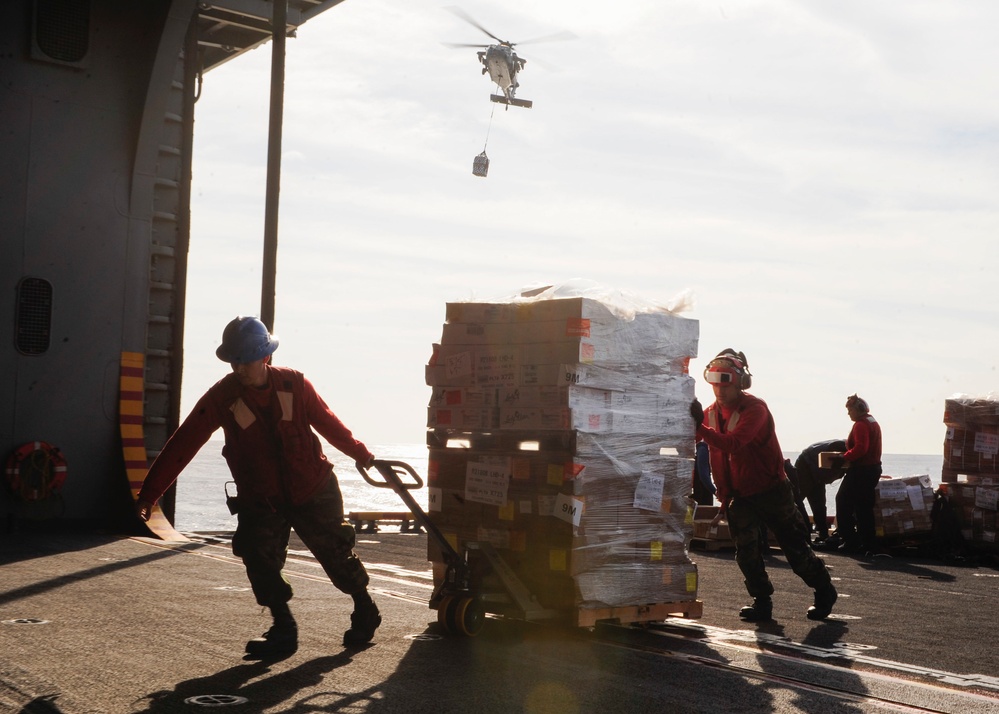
x=729 y=367
x=854 y=401
x=244 y=340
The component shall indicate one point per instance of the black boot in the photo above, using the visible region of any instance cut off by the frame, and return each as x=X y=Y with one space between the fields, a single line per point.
x=825 y=598
x=761 y=610
x=363 y=622
x=280 y=640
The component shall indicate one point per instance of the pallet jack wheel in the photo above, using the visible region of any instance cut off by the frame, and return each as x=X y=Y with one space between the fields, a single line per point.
x=470 y=616
x=442 y=613
x=461 y=615
x=465 y=616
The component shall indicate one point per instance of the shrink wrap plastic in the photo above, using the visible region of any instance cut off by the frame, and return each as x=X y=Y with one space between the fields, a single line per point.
x=971 y=444
x=559 y=431
x=971 y=466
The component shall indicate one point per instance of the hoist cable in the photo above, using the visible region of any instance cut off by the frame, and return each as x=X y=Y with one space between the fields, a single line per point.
x=489 y=128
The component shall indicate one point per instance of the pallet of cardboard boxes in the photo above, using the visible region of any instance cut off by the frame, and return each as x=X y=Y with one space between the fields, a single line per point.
x=559 y=433
x=903 y=507
x=971 y=467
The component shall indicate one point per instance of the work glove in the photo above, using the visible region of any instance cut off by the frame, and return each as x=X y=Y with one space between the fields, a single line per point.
x=697 y=412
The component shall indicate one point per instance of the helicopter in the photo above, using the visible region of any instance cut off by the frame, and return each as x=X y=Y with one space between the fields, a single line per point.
x=501 y=62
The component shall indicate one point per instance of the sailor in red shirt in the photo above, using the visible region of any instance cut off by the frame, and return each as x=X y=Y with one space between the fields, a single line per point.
x=748 y=468
x=283 y=479
x=856 y=495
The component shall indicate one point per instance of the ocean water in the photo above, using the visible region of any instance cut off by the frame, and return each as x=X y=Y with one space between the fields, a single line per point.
x=201 y=487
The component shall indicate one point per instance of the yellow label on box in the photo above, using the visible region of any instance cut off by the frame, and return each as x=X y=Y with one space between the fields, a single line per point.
x=655 y=550
x=507 y=512
x=691 y=582
x=557 y=559
x=555 y=474
x=689 y=518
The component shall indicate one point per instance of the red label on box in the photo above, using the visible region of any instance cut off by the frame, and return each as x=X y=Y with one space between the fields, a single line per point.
x=577 y=327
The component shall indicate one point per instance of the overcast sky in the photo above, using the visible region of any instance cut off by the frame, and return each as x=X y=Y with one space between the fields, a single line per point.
x=822 y=179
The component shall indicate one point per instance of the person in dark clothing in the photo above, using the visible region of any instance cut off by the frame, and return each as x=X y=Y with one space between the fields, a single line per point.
x=748 y=469
x=702 y=487
x=792 y=476
x=284 y=480
x=856 y=495
x=812 y=482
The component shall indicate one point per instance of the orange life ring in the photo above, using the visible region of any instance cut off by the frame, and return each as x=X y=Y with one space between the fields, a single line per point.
x=36 y=470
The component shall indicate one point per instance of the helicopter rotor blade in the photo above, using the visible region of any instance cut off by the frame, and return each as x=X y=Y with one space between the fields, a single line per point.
x=455 y=10
x=555 y=37
x=459 y=45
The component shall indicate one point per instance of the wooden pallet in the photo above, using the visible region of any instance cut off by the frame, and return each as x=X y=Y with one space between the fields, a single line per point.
x=367 y=521
x=588 y=617
x=966 y=476
x=499 y=440
x=711 y=544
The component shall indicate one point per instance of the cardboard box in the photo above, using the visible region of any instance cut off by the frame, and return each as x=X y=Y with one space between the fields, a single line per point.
x=973 y=448
x=966 y=410
x=903 y=506
x=826 y=458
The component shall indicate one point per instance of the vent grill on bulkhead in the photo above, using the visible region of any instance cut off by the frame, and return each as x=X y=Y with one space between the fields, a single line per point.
x=34 y=316
x=62 y=31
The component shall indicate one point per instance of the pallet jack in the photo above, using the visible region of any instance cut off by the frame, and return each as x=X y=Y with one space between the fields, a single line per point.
x=463 y=597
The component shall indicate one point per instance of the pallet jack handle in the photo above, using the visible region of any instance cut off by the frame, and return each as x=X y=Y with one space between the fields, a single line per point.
x=392 y=473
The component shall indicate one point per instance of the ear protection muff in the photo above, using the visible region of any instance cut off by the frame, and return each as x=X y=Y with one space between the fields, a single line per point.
x=737 y=360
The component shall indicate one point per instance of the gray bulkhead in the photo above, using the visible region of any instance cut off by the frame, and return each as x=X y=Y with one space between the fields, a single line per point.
x=97 y=105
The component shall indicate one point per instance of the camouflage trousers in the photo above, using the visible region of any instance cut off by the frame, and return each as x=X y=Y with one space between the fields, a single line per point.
x=776 y=510
x=261 y=540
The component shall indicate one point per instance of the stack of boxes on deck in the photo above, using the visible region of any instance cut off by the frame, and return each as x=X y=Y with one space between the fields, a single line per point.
x=559 y=433
x=970 y=469
x=903 y=506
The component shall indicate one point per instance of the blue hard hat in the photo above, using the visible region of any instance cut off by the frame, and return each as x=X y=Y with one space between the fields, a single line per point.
x=244 y=340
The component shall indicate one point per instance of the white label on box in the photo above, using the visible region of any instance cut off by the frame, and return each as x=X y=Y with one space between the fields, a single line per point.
x=987 y=498
x=571 y=374
x=987 y=444
x=892 y=489
x=916 y=497
x=568 y=509
x=487 y=482
x=494 y=537
x=525 y=507
x=435 y=496
x=458 y=365
x=649 y=491
x=546 y=505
